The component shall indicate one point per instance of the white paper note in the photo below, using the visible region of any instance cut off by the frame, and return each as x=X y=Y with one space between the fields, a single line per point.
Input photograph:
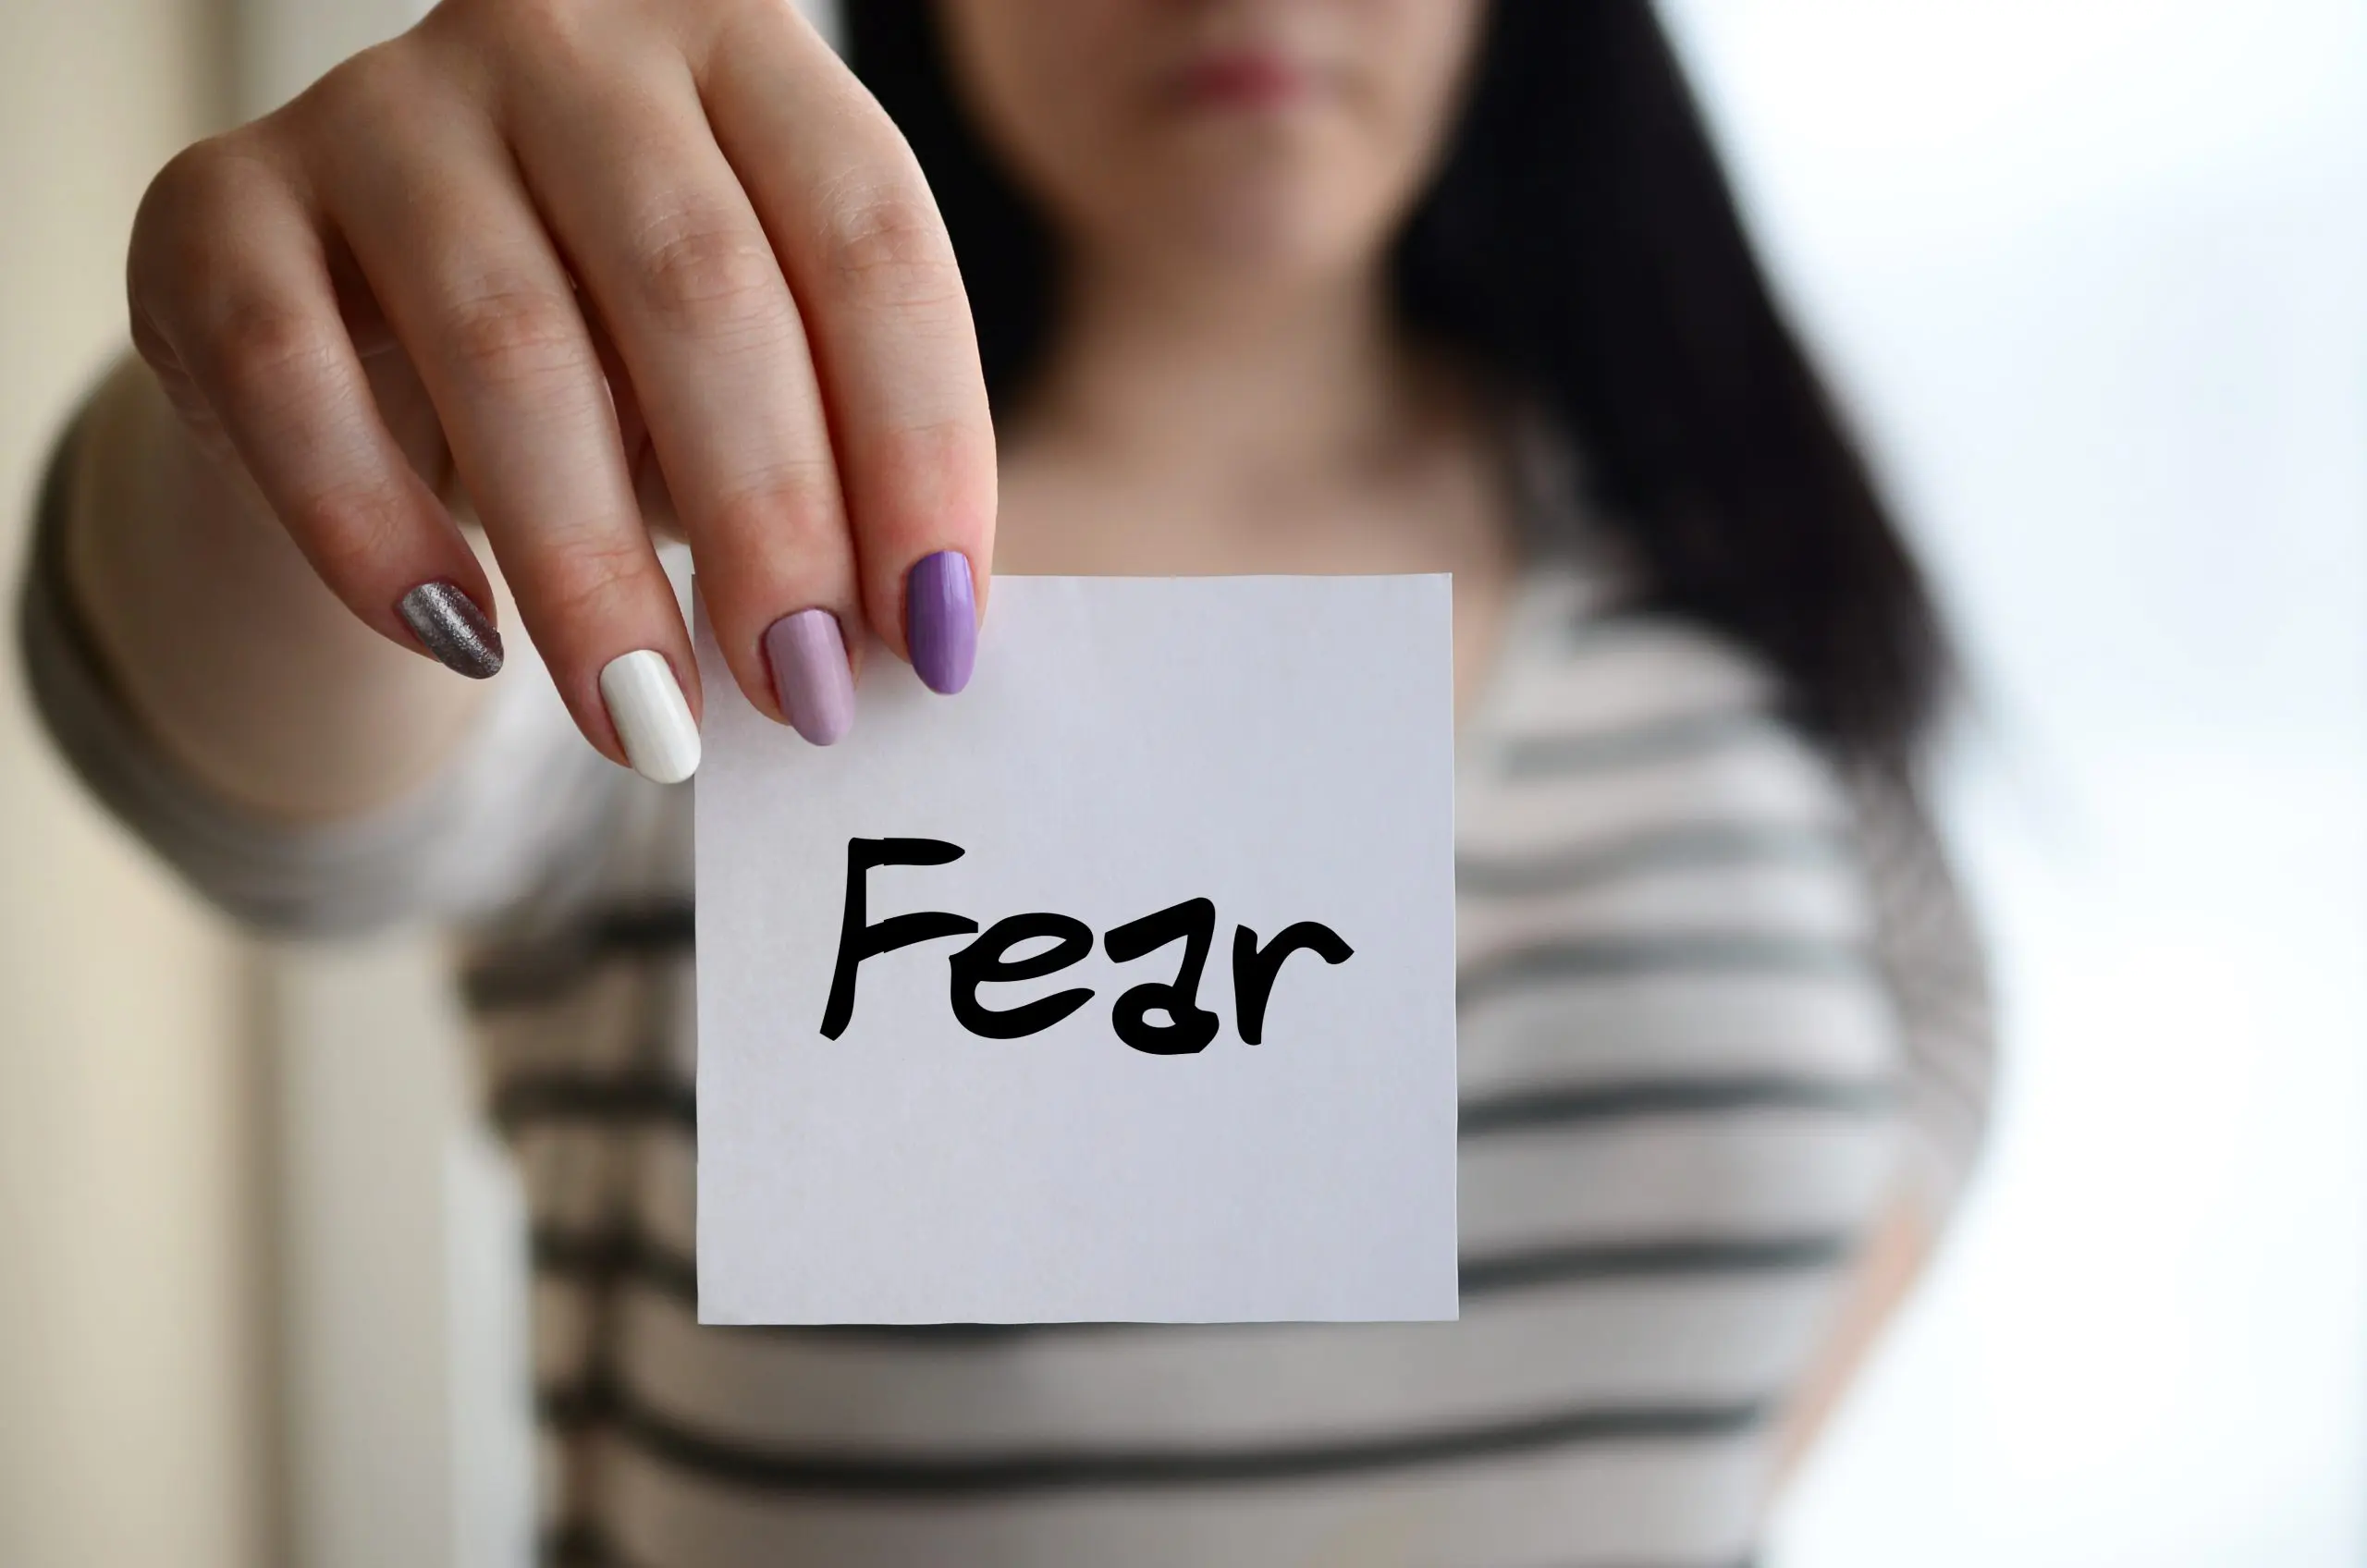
x=1279 y=747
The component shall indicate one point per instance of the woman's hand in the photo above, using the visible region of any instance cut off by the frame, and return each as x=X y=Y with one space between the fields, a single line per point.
x=594 y=261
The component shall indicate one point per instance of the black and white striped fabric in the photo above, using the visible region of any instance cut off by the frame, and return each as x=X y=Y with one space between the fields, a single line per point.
x=1687 y=1091
x=1719 y=1008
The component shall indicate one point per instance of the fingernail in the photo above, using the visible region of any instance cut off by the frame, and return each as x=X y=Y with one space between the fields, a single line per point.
x=808 y=655
x=448 y=625
x=941 y=620
x=646 y=705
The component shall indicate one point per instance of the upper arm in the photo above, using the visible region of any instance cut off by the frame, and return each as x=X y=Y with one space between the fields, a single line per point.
x=1929 y=954
x=1928 y=950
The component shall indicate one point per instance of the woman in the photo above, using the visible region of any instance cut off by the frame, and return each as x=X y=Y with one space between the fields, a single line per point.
x=1401 y=285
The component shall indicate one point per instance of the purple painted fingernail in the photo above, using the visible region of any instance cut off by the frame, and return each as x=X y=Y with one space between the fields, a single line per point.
x=808 y=655
x=941 y=620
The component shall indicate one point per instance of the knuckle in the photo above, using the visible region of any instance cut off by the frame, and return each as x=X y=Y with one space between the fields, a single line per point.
x=367 y=88
x=794 y=506
x=187 y=215
x=911 y=481
x=183 y=186
x=942 y=465
x=259 y=347
x=382 y=107
x=348 y=529
x=538 y=22
x=712 y=278
x=590 y=580
x=725 y=26
x=514 y=335
x=889 y=248
x=526 y=29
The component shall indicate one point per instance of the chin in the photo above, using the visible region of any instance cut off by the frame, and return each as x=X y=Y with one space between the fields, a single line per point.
x=1286 y=222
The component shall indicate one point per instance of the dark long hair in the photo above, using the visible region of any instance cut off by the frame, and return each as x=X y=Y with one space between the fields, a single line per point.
x=1580 y=243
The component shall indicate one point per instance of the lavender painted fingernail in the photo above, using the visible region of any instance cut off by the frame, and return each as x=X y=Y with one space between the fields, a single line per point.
x=449 y=625
x=808 y=654
x=941 y=620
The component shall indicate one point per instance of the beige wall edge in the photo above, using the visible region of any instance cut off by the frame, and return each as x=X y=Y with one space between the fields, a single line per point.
x=132 y=1294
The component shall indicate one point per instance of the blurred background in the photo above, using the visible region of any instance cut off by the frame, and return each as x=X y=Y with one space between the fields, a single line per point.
x=2094 y=275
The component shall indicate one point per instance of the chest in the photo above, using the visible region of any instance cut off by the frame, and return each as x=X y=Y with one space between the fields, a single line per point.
x=1443 y=515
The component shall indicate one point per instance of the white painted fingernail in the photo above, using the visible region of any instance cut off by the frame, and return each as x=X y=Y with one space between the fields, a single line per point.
x=645 y=703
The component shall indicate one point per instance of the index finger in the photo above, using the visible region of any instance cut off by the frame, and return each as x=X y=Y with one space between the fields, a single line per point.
x=873 y=271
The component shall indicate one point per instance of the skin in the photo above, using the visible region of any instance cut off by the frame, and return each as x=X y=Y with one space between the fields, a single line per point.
x=1230 y=393
x=358 y=307
x=583 y=272
x=577 y=271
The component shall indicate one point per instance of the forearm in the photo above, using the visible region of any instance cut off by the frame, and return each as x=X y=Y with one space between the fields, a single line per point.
x=220 y=639
x=1886 y=1270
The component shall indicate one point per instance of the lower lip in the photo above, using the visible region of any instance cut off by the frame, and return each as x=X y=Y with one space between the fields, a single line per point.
x=1245 y=81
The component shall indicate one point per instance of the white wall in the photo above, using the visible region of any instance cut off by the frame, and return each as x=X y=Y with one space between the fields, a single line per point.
x=2096 y=273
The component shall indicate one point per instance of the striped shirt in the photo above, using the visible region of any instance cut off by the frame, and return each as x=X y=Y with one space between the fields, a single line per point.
x=1719 y=1007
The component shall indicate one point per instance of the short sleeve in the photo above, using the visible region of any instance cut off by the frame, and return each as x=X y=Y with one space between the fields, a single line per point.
x=514 y=820
x=1930 y=957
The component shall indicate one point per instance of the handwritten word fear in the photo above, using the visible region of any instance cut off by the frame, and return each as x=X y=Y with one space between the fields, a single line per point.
x=1188 y=1027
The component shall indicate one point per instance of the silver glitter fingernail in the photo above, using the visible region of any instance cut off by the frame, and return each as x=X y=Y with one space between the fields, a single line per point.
x=448 y=625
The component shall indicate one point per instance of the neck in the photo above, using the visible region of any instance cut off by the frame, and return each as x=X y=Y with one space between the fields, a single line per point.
x=1226 y=378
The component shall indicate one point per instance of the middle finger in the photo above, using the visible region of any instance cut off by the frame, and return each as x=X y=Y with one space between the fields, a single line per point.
x=663 y=238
